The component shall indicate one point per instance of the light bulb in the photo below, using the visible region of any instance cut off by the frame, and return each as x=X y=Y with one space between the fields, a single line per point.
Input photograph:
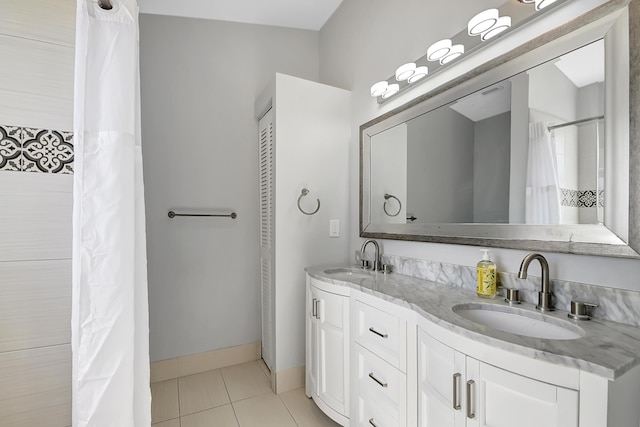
x=482 y=22
x=503 y=23
x=405 y=71
x=541 y=4
x=420 y=73
x=438 y=50
x=456 y=51
x=379 y=88
x=391 y=90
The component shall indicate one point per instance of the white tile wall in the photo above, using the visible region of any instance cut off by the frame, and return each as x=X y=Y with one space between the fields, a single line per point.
x=36 y=90
x=35 y=308
x=34 y=387
x=35 y=221
x=49 y=21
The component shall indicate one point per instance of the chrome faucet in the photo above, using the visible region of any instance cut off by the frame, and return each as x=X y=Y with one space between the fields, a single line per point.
x=377 y=262
x=544 y=296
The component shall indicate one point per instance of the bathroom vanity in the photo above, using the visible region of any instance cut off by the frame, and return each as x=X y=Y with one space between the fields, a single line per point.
x=392 y=350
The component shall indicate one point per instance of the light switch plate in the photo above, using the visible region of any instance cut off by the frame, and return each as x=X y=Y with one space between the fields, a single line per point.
x=334 y=228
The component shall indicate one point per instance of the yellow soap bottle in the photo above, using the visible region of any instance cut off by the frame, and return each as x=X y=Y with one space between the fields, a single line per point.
x=487 y=280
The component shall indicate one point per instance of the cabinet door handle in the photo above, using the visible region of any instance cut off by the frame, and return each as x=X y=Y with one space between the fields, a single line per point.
x=378 y=333
x=372 y=423
x=317 y=309
x=470 y=412
x=377 y=380
x=314 y=308
x=456 y=391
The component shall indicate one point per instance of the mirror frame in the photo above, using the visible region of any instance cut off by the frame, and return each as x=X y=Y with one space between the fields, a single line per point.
x=575 y=239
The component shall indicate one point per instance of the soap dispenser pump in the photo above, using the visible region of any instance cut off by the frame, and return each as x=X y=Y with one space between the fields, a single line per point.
x=487 y=280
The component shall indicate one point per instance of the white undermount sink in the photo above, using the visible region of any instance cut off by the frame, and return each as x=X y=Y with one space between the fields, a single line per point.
x=352 y=272
x=519 y=321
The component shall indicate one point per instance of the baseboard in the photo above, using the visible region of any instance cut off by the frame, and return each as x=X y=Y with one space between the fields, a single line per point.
x=195 y=363
x=288 y=379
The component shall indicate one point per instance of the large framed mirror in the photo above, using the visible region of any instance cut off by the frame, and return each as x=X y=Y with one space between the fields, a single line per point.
x=539 y=151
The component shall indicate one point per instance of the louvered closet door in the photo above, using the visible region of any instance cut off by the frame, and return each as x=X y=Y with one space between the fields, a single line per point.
x=265 y=130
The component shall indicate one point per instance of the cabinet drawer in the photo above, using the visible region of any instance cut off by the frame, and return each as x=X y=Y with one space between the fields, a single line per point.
x=378 y=381
x=382 y=333
x=376 y=413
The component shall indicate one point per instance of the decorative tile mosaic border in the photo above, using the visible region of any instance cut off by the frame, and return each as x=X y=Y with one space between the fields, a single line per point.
x=36 y=150
x=581 y=198
x=618 y=305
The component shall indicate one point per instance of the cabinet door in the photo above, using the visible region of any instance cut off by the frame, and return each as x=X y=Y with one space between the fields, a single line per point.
x=332 y=315
x=312 y=342
x=505 y=399
x=441 y=384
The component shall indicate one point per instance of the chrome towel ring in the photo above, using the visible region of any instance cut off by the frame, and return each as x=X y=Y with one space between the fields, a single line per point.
x=303 y=193
x=388 y=196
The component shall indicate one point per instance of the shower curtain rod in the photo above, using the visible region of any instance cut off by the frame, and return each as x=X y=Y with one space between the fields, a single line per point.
x=575 y=122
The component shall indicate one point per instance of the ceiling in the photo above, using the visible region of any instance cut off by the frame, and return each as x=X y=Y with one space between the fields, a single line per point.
x=303 y=14
x=486 y=103
x=584 y=66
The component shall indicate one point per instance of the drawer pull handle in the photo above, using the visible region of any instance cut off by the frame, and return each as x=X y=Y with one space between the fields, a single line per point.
x=378 y=333
x=456 y=391
x=372 y=423
x=470 y=413
x=314 y=308
x=377 y=380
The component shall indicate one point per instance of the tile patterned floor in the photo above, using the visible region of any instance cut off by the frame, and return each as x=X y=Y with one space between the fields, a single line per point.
x=236 y=396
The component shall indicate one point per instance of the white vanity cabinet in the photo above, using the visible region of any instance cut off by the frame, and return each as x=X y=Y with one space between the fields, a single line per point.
x=327 y=353
x=458 y=390
x=372 y=362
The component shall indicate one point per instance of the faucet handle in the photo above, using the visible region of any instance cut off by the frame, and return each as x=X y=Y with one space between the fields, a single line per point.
x=512 y=296
x=579 y=310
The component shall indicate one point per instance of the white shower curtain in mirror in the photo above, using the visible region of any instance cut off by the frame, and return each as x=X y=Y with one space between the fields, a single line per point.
x=542 y=202
x=110 y=327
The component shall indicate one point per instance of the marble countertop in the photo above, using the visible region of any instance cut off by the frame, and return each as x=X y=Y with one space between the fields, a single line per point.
x=606 y=348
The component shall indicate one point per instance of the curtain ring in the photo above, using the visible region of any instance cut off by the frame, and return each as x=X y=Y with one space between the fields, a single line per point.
x=388 y=196
x=303 y=193
x=105 y=4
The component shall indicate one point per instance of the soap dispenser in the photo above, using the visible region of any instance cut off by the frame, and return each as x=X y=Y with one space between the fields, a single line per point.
x=487 y=280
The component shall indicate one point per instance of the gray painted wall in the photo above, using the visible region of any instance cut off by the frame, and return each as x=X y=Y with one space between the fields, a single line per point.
x=199 y=80
x=491 y=169
x=437 y=192
x=364 y=42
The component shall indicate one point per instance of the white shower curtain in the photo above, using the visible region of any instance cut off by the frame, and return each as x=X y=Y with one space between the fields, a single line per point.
x=110 y=332
x=542 y=203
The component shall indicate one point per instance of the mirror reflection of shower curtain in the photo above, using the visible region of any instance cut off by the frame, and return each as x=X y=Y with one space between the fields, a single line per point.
x=542 y=201
x=109 y=310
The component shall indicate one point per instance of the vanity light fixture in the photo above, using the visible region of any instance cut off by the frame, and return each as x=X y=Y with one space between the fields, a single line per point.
x=405 y=71
x=541 y=4
x=419 y=74
x=482 y=22
x=392 y=89
x=455 y=52
x=439 y=50
x=504 y=22
x=379 y=88
x=486 y=25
